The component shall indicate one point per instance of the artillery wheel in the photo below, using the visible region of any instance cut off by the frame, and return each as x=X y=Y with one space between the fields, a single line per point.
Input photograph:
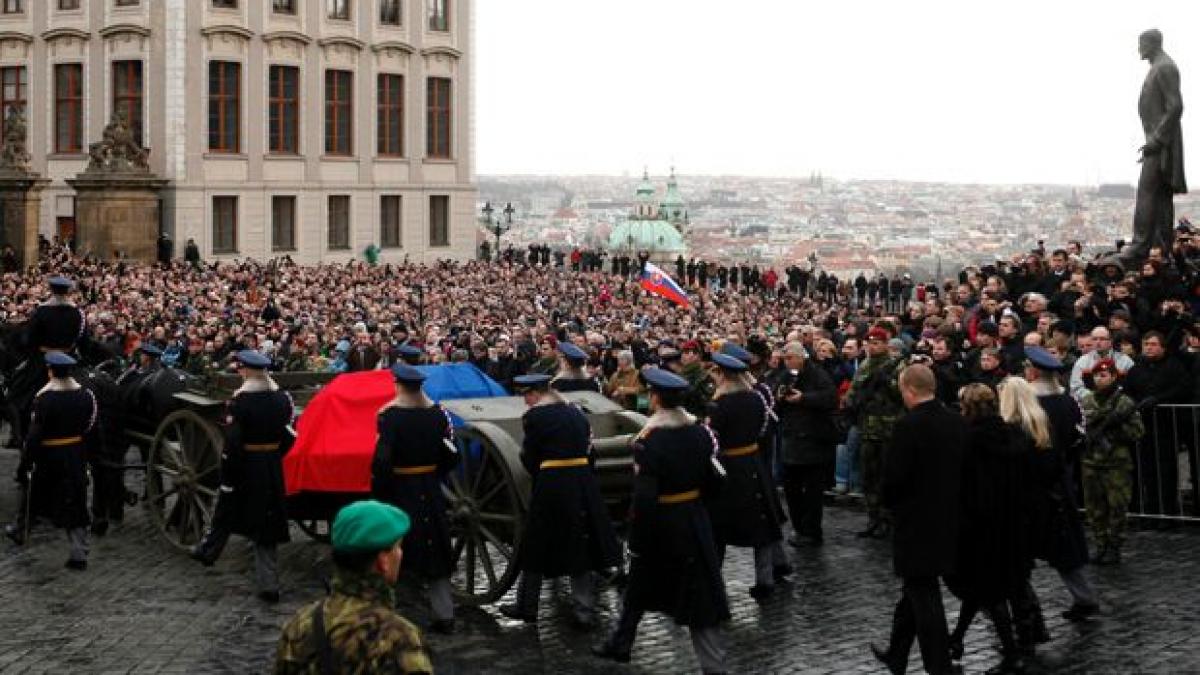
x=183 y=477
x=317 y=530
x=487 y=498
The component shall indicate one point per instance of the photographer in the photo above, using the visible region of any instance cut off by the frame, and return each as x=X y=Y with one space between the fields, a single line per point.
x=805 y=399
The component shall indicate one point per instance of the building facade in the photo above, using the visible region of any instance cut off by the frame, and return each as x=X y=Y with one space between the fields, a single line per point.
x=309 y=128
x=657 y=228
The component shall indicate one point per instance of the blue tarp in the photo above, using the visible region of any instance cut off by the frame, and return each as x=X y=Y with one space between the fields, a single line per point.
x=449 y=381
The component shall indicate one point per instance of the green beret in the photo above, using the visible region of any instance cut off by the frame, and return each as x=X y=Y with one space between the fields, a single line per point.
x=368 y=526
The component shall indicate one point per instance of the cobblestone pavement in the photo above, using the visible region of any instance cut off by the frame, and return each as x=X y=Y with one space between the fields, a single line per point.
x=144 y=608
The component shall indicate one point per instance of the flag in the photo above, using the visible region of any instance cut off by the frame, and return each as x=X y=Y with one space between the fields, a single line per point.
x=659 y=282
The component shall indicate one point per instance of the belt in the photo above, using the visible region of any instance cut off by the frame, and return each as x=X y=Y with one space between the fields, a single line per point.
x=414 y=470
x=45 y=350
x=741 y=452
x=60 y=442
x=563 y=463
x=679 y=497
x=260 y=447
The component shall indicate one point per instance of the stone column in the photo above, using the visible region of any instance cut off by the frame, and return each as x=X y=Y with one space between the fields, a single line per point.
x=117 y=215
x=20 y=211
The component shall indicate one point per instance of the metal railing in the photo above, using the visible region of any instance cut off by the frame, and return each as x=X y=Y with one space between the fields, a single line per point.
x=1166 y=467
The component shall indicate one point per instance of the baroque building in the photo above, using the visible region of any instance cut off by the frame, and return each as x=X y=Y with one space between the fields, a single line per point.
x=309 y=128
x=655 y=227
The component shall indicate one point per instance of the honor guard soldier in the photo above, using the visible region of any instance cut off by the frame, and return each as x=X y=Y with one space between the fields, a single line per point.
x=414 y=451
x=675 y=568
x=568 y=532
x=744 y=514
x=356 y=629
x=53 y=467
x=251 y=499
x=409 y=354
x=56 y=325
x=570 y=370
x=700 y=383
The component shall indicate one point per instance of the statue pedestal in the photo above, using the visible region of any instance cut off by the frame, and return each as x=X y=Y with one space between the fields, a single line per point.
x=117 y=214
x=20 y=211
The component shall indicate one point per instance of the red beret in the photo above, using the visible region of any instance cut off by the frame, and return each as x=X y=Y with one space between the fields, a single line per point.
x=551 y=340
x=691 y=346
x=1106 y=365
x=878 y=333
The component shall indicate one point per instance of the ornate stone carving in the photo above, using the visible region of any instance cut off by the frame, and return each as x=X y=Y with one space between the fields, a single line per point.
x=15 y=155
x=117 y=151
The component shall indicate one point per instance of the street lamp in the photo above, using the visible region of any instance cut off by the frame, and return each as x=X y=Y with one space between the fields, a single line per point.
x=498 y=223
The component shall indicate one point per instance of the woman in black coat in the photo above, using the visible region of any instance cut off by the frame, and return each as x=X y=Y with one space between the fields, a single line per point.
x=994 y=560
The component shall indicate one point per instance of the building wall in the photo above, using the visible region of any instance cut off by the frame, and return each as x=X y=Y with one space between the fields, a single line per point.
x=176 y=40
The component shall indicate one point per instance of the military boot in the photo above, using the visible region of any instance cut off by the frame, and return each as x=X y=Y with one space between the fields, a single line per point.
x=210 y=547
x=526 y=606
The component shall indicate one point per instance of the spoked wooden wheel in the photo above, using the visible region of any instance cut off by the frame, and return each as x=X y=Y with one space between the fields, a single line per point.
x=317 y=530
x=183 y=477
x=487 y=496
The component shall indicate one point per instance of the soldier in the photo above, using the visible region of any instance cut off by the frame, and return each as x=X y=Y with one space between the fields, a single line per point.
x=356 y=629
x=409 y=354
x=56 y=325
x=875 y=399
x=743 y=514
x=675 y=568
x=414 y=452
x=570 y=370
x=547 y=362
x=1113 y=429
x=251 y=499
x=700 y=382
x=148 y=359
x=568 y=532
x=53 y=466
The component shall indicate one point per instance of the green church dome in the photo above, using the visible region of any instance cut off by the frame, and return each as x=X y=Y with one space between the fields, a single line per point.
x=646 y=235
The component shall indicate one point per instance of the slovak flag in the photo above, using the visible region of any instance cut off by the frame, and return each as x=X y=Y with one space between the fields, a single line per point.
x=659 y=282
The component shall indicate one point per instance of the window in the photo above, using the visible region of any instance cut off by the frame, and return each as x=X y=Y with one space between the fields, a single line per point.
x=391 y=115
x=68 y=108
x=224 y=112
x=68 y=4
x=128 y=3
x=283 y=109
x=283 y=223
x=389 y=12
x=439 y=14
x=439 y=220
x=339 y=221
x=225 y=4
x=283 y=6
x=224 y=225
x=437 y=122
x=127 y=95
x=338 y=112
x=14 y=6
x=389 y=221
x=14 y=87
x=338 y=9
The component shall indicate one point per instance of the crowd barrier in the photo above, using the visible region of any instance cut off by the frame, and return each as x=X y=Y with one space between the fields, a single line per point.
x=1166 y=484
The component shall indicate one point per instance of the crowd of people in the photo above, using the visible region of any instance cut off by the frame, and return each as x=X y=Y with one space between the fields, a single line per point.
x=1051 y=376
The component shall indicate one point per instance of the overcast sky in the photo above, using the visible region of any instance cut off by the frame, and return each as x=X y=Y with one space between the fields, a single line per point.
x=1018 y=91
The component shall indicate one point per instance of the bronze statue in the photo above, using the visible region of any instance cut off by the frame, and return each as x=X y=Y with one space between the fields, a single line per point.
x=15 y=155
x=1160 y=107
x=117 y=150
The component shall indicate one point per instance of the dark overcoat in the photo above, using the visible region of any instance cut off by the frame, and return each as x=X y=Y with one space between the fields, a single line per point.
x=411 y=437
x=922 y=475
x=743 y=513
x=63 y=431
x=1057 y=528
x=252 y=477
x=569 y=530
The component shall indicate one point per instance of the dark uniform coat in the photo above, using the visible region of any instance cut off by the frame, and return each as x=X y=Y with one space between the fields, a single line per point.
x=56 y=325
x=744 y=512
x=921 y=483
x=675 y=569
x=1057 y=528
x=569 y=531
x=62 y=433
x=252 y=499
x=417 y=437
x=565 y=384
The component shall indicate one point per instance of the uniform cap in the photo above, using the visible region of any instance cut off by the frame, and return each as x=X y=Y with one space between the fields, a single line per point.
x=60 y=284
x=368 y=526
x=408 y=350
x=730 y=363
x=664 y=380
x=252 y=359
x=1041 y=359
x=572 y=352
x=736 y=351
x=150 y=349
x=523 y=383
x=406 y=373
x=59 y=360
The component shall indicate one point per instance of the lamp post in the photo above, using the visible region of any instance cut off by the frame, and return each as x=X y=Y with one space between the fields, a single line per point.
x=498 y=223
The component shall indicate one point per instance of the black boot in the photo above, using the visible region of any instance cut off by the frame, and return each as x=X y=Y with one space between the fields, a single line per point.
x=15 y=532
x=526 y=606
x=966 y=615
x=869 y=533
x=1012 y=662
x=210 y=547
x=609 y=650
x=894 y=664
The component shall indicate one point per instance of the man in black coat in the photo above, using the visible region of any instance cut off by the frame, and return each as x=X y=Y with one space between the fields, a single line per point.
x=922 y=475
x=1158 y=378
x=805 y=402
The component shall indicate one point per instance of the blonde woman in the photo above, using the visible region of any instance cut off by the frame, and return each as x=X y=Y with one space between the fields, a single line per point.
x=1019 y=406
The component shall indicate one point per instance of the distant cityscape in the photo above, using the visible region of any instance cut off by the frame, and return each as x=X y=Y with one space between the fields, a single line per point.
x=850 y=226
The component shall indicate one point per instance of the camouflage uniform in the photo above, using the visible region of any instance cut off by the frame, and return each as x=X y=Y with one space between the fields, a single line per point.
x=874 y=396
x=700 y=389
x=1108 y=463
x=546 y=366
x=365 y=634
